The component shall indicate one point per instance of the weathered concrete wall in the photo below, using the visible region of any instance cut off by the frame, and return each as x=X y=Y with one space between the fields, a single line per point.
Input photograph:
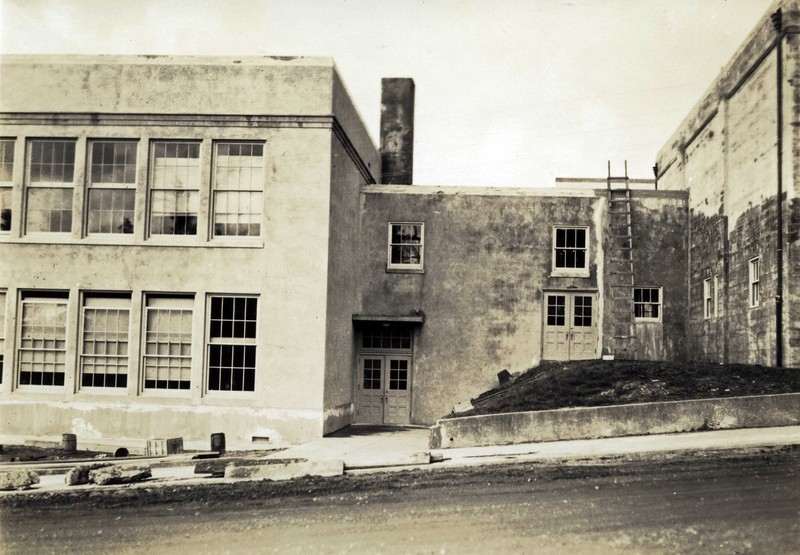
x=726 y=154
x=617 y=420
x=101 y=420
x=487 y=258
x=659 y=221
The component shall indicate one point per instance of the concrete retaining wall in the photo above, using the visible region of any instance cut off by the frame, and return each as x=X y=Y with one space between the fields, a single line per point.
x=618 y=420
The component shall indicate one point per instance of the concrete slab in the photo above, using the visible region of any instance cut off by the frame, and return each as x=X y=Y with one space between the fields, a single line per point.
x=285 y=469
x=366 y=446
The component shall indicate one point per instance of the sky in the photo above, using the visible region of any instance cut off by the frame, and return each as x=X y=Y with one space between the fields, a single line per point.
x=508 y=92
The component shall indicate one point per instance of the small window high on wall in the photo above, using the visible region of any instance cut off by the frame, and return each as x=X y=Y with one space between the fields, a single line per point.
x=406 y=246
x=754 y=290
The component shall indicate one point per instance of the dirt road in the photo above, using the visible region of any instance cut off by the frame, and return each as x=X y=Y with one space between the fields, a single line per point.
x=745 y=502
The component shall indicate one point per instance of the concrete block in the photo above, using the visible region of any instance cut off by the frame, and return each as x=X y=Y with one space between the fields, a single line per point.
x=116 y=474
x=285 y=469
x=387 y=459
x=80 y=474
x=18 y=479
x=160 y=446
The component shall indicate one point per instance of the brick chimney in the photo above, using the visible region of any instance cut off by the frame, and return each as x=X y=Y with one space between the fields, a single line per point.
x=397 y=131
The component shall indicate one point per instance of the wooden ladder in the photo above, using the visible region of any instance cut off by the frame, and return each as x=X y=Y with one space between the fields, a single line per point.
x=620 y=223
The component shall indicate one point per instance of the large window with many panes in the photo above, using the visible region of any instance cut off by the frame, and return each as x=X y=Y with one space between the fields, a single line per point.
x=6 y=177
x=168 y=342
x=174 y=187
x=112 y=186
x=50 y=176
x=42 y=340
x=232 y=343
x=104 y=340
x=571 y=251
x=238 y=181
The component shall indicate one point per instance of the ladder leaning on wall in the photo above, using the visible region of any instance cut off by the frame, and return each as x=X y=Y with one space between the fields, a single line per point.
x=620 y=254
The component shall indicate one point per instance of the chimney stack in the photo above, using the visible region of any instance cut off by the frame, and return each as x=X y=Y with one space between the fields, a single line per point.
x=397 y=130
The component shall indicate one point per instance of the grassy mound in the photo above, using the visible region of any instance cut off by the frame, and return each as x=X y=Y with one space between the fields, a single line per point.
x=594 y=383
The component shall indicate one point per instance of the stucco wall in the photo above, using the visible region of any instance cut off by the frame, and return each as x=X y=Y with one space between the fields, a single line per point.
x=659 y=222
x=286 y=267
x=487 y=258
x=343 y=288
x=157 y=84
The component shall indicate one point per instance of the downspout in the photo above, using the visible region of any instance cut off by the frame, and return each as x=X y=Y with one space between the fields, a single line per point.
x=777 y=23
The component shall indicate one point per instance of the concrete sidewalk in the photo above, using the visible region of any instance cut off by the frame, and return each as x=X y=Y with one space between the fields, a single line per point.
x=379 y=449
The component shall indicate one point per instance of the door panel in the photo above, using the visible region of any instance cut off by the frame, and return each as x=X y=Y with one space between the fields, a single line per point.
x=398 y=391
x=583 y=339
x=556 y=328
x=370 y=390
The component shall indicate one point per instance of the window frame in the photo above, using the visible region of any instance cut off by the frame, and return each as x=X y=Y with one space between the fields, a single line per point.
x=214 y=191
x=121 y=299
x=7 y=186
x=709 y=308
x=109 y=186
x=570 y=272
x=151 y=189
x=30 y=185
x=400 y=267
x=659 y=304
x=180 y=302
x=42 y=298
x=210 y=342
x=754 y=282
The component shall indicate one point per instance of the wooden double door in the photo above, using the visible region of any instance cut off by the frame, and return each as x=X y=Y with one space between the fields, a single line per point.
x=570 y=326
x=384 y=389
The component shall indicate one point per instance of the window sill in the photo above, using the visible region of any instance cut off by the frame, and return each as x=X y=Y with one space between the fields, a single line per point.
x=570 y=274
x=647 y=320
x=396 y=270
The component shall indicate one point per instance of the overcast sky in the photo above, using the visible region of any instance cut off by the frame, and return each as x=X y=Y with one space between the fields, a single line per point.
x=509 y=93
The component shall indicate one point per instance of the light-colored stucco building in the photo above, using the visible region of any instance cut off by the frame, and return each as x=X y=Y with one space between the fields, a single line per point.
x=202 y=245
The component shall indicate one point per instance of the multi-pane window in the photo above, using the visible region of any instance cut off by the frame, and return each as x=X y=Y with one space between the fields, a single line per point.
x=232 y=343
x=754 y=275
x=709 y=310
x=238 y=189
x=582 y=311
x=42 y=340
x=647 y=304
x=406 y=243
x=570 y=249
x=392 y=336
x=168 y=342
x=372 y=373
x=2 y=331
x=112 y=186
x=6 y=175
x=51 y=170
x=398 y=374
x=556 y=310
x=174 y=188
x=104 y=341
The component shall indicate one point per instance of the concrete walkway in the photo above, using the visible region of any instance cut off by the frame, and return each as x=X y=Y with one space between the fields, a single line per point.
x=380 y=449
